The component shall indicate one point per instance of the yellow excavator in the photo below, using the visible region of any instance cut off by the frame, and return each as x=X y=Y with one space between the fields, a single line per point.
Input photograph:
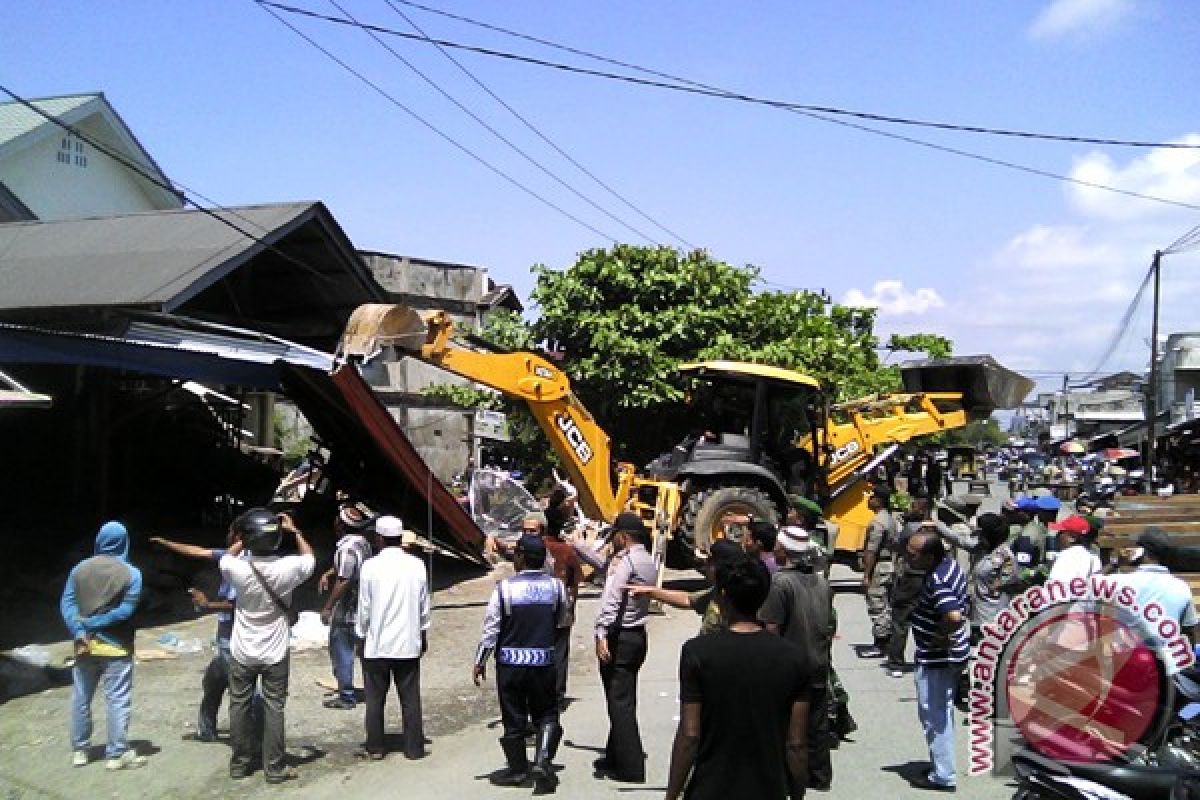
x=761 y=432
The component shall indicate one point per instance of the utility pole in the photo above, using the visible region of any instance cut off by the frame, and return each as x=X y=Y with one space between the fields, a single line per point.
x=1152 y=389
x=1066 y=406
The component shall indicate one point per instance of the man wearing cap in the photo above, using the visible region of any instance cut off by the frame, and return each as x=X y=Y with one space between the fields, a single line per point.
x=1155 y=585
x=620 y=634
x=1029 y=543
x=798 y=608
x=1074 y=559
x=353 y=522
x=878 y=565
x=1047 y=510
x=807 y=514
x=519 y=627
x=392 y=620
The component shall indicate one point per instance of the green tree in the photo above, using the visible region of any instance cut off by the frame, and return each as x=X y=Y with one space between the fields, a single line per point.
x=628 y=317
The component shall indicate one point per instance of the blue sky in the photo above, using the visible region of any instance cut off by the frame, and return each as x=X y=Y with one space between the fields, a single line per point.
x=1032 y=270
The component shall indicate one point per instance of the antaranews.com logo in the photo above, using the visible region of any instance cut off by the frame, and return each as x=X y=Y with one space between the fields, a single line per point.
x=1077 y=667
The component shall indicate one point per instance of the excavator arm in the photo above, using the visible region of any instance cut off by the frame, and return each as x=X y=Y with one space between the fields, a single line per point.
x=583 y=446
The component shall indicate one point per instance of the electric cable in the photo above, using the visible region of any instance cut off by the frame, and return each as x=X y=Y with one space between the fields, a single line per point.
x=174 y=187
x=269 y=8
x=693 y=87
x=490 y=129
x=815 y=112
x=537 y=132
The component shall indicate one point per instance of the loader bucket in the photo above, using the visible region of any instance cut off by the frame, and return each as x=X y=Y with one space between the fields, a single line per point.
x=984 y=383
x=374 y=326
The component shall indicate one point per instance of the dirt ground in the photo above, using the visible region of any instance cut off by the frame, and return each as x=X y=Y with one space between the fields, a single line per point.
x=35 y=755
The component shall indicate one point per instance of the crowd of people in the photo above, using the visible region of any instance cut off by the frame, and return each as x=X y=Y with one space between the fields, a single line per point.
x=761 y=706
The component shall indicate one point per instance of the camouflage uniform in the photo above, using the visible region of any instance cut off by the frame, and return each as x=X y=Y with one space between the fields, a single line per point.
x=881 y=535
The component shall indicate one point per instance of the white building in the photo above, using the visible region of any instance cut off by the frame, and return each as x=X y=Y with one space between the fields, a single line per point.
x=48 y=173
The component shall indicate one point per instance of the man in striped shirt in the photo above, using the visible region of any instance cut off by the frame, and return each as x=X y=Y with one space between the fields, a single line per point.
x=939 y=624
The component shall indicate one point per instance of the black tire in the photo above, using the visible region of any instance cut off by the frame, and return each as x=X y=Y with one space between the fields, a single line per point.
x=705 y=508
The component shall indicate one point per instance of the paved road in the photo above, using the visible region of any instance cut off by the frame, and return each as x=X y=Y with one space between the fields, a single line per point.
x=889 y=741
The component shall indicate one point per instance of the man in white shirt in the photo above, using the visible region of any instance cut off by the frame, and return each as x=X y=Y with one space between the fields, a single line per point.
x=392 y=620
x=1074 y=560
x=264 y=583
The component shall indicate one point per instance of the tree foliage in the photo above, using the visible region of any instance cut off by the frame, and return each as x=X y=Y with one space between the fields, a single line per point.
x=626 y=318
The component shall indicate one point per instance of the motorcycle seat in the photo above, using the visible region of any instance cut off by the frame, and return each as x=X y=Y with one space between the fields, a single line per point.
x=1139 y=783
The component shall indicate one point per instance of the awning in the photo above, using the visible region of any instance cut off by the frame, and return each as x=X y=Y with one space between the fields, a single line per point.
x=235 y=358
x=372 y=458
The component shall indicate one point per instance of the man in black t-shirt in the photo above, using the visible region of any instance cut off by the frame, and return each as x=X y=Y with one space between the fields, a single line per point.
x=743 y=700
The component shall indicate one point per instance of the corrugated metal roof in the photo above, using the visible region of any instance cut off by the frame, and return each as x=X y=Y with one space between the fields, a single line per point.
x=17 y=120
x=148 y=259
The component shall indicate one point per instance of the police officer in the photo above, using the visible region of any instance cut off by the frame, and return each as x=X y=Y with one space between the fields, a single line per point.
x=878 y=565
x=522 y=618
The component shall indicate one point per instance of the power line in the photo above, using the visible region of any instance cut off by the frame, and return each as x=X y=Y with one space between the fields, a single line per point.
x=175 y=188
x=513 y=146
x=537 y=132
x=697 y=88
x=268 y=7
x=815 y=112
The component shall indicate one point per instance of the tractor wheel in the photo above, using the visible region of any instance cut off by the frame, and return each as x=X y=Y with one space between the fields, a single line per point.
x=702 y=518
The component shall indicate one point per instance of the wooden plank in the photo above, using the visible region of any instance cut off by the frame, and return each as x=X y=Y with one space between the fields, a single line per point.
x=1156 y=516
x=1143 y=501
x=1124 y=525
x=1184 y=537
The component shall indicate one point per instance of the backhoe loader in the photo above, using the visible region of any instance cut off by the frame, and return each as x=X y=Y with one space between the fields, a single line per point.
x=761 y=432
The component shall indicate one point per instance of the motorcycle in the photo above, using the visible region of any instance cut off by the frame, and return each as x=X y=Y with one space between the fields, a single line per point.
x=1167 y=768
x=1040 y=778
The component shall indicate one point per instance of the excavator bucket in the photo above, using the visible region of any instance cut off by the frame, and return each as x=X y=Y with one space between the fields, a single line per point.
x=374 y=326
x=985 y=384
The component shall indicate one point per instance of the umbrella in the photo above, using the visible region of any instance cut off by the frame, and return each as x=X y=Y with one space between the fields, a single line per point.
x=1117 y=453
x=1073 y=447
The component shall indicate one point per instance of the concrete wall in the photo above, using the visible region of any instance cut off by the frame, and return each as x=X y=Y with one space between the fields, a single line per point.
x=86 y=184
x=1180 y=374
x=441 y=435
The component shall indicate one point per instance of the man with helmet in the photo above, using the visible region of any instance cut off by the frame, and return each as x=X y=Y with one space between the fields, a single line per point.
x=264 y=582
x=522 y=616
x=354 y=521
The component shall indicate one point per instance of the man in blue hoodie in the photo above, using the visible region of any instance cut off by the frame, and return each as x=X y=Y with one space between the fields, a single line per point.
x=98 y=602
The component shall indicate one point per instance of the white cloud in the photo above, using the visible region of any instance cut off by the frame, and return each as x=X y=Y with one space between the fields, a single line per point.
x=891 y=298
x=1172 y=174
x=1079 y=18
x=1051 y=296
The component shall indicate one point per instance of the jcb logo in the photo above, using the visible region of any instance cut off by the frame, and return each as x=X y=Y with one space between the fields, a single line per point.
x=583 y=450
x=844 y=452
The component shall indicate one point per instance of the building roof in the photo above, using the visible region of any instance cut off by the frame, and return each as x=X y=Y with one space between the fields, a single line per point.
x=297 y=275
x=11 y=207
x=743 y=369
x=155 y=259
x=21 y=127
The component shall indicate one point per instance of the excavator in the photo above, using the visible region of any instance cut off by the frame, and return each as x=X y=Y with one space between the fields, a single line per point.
x=762 y=432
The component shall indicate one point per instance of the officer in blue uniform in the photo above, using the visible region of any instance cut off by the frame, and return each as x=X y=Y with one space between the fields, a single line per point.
x=523 y=615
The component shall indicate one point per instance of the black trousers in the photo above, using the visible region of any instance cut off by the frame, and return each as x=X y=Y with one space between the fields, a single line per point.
x=378 y=676
x=526 y=694
x=623 y=750
x=274 y=684
x=905 y=589
x=820 y=764
x=562 y=655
